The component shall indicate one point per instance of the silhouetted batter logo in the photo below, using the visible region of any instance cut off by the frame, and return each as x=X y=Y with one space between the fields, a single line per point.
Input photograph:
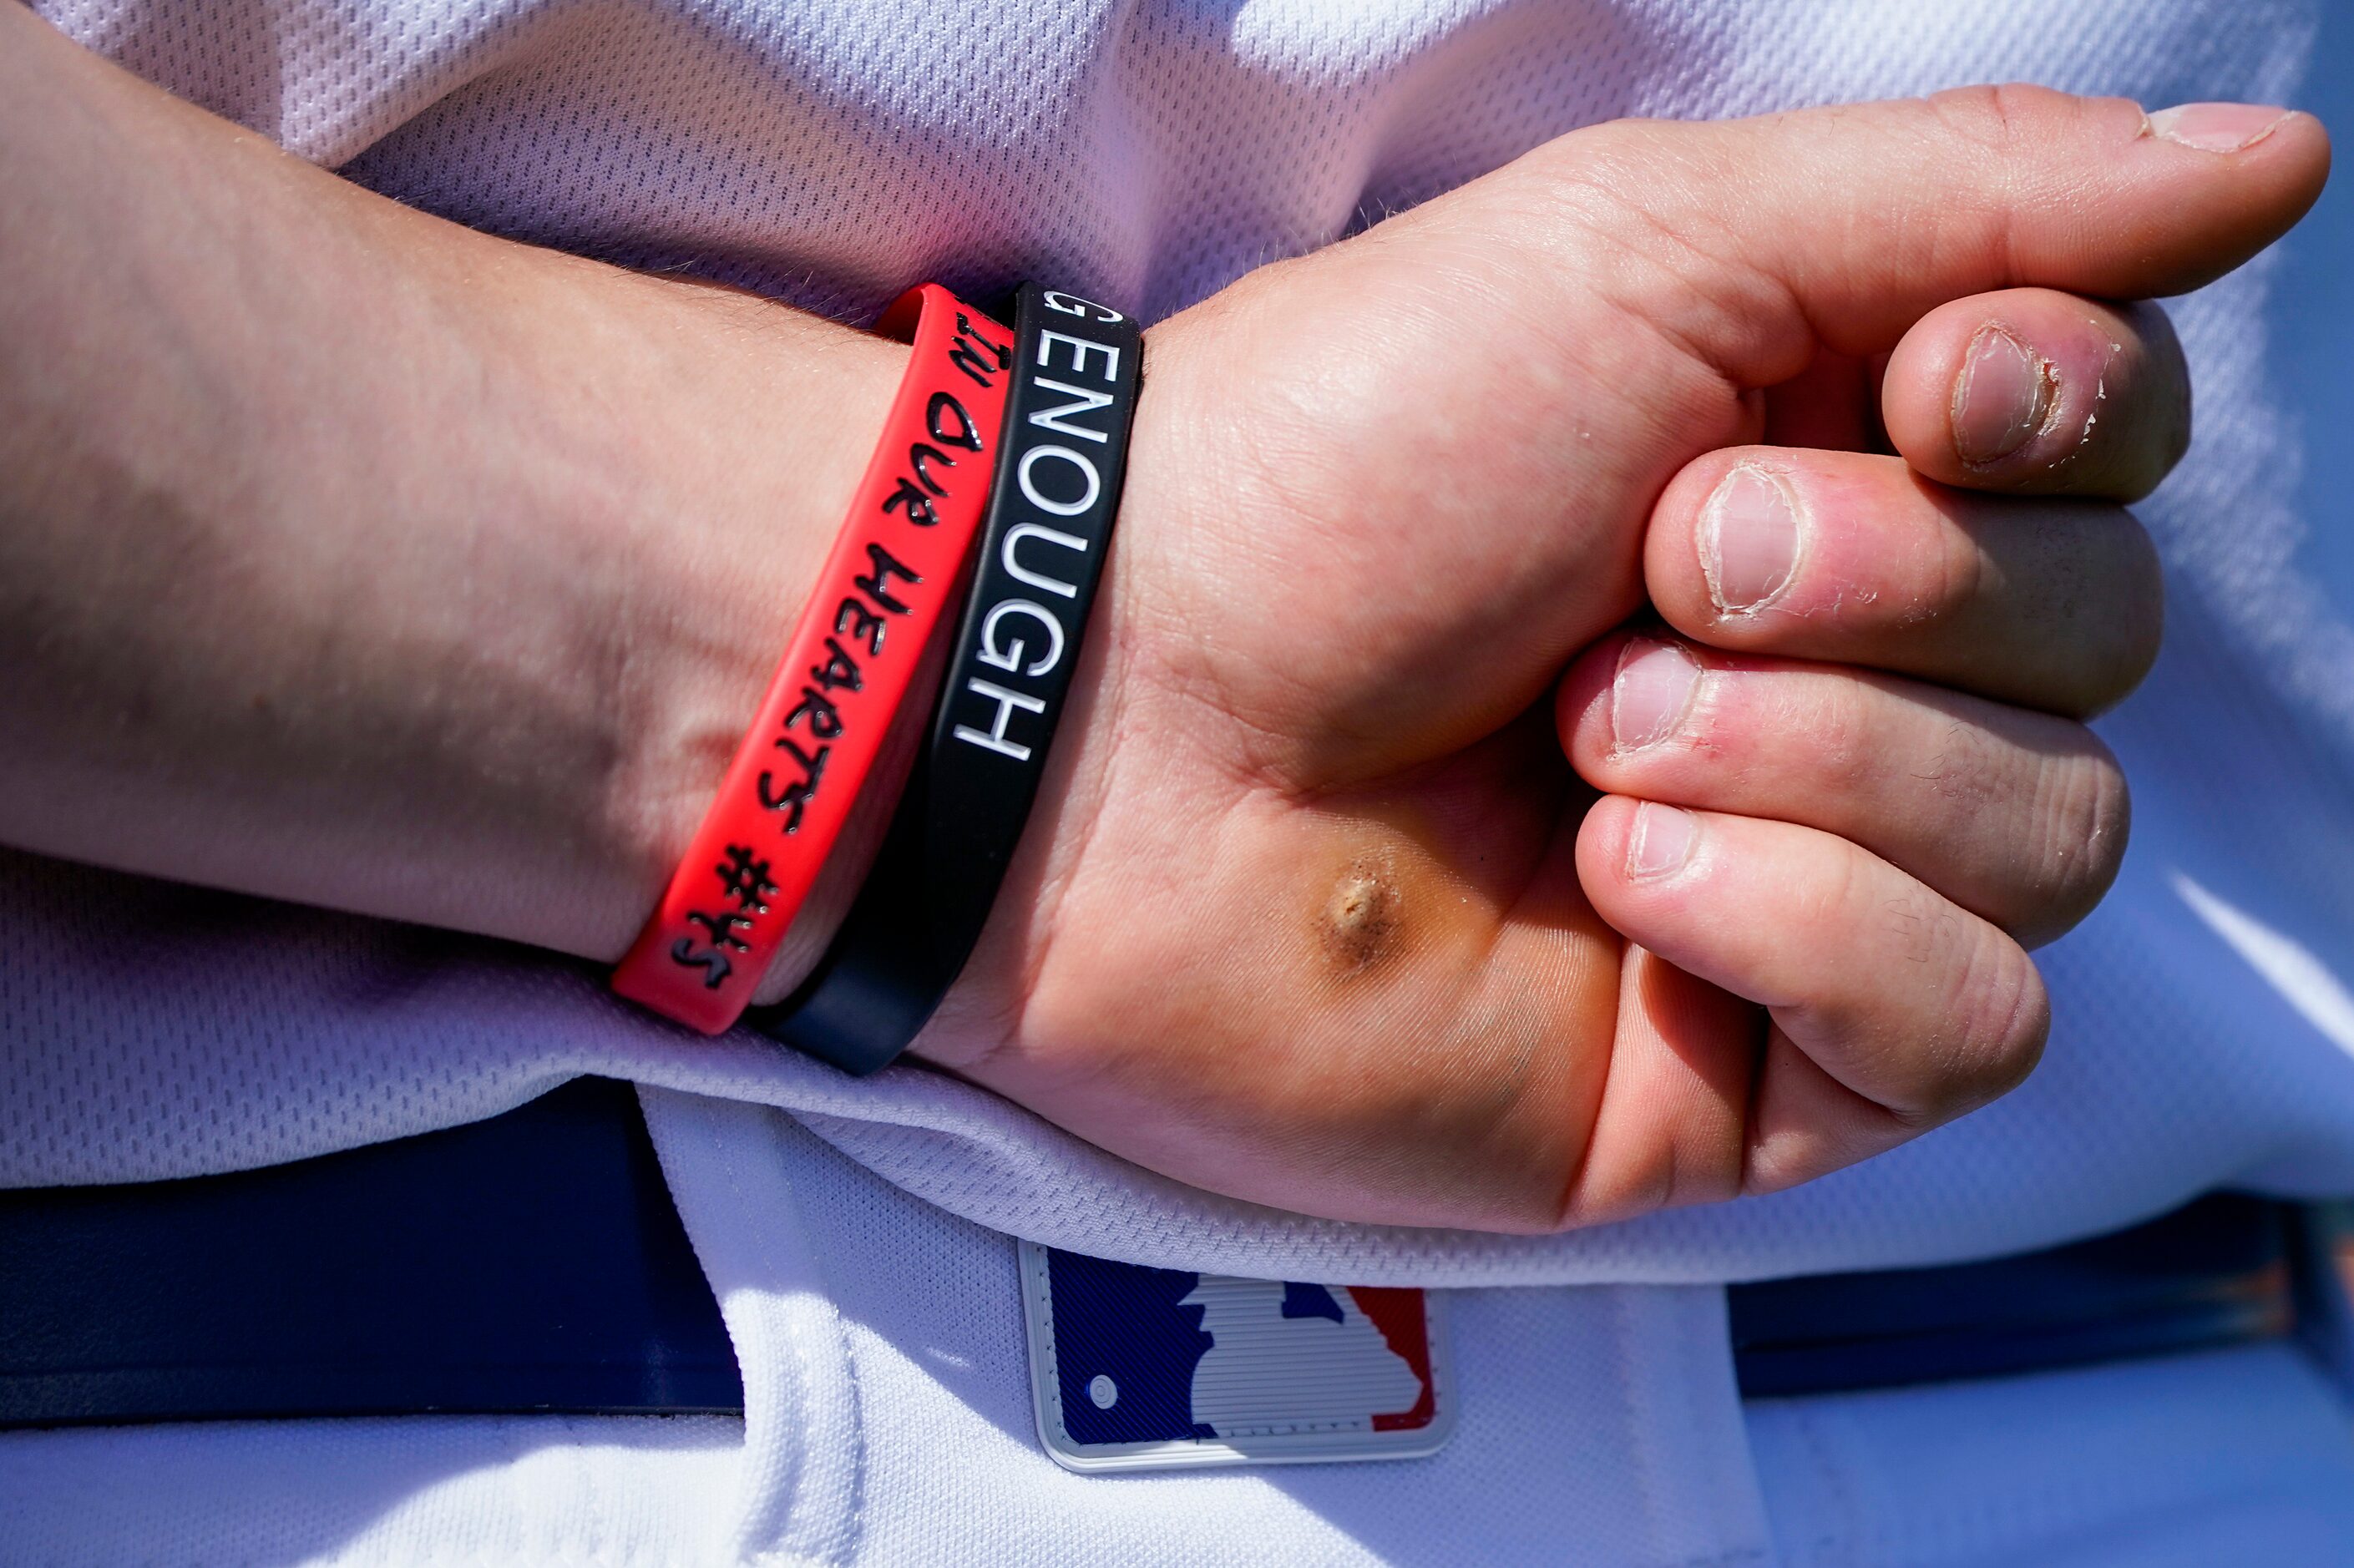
x=1137 y=1367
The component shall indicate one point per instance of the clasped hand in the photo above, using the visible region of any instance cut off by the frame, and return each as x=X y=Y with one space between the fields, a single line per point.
x=1590 y=712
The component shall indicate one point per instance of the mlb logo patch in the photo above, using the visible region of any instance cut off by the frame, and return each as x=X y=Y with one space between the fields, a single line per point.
x=1137 y=1368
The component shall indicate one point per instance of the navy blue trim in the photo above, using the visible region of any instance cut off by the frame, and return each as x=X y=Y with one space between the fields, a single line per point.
x=2215 y=1272
x=532 y=1261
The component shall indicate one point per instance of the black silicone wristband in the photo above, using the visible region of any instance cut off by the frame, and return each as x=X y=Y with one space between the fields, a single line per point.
x=1056 y=491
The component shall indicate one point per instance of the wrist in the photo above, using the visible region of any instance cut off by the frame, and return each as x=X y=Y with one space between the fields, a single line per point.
x=753 y=443
x=1105 y=710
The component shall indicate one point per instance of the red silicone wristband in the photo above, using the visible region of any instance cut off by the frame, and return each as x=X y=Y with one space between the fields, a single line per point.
x=789 y=790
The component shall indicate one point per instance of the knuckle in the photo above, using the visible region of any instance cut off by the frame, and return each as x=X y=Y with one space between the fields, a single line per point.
x=2087 y=813
x=1964 y=771
x=1623 y=145
x=1640 y=204
x=1955 y=579
x=1993 y=117
x=2022 y=120
x=2007 y=128
x=1845 y=741
x=2129 y=625
x=2174 y=445
x=2001 y=1016
x=1996 y=123
x=2143 y=597
x=2167 y=373
x=1827 y=909
x=1592 y=182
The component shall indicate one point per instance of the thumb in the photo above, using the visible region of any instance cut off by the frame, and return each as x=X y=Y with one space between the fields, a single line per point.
x=1753 y=241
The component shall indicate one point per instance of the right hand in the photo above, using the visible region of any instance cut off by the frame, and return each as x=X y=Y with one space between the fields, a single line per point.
x=1313 y=910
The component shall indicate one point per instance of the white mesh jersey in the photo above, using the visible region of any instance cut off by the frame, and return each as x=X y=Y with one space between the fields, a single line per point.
x=1146 y=151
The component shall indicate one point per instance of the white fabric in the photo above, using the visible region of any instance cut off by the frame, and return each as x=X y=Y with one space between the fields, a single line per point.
x=888 y=1422
x=1148 y=151
x=2233 y=1456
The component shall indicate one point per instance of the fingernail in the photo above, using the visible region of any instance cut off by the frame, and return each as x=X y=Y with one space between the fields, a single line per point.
x=1661 y=841
x=2216 y=127
x=2001 y=398
x=1651 y=694
x=1749 y=540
